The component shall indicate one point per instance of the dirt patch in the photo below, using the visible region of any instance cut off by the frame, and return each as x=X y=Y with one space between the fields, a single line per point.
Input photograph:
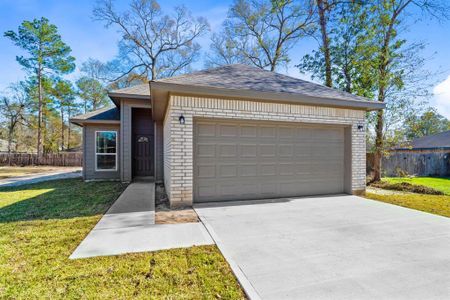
x=406 y=187
x=165 y=215
x=176 y=216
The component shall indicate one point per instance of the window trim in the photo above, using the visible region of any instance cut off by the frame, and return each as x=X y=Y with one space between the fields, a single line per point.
x=96 y=154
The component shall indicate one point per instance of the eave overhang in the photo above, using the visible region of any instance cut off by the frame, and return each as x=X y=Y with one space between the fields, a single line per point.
x=160 y=92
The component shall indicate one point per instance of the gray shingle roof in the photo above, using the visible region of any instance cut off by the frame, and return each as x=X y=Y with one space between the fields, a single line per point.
x=136 y=90
x=102 y=114
x=243 y=77
x=439 y=140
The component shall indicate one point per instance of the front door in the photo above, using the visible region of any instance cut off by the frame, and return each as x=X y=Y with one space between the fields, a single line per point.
x=143 y=155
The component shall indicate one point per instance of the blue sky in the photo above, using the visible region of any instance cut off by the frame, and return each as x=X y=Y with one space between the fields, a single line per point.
x=89 y=38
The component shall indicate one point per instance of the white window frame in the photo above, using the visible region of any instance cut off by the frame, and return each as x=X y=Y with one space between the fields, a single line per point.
x=96 y=154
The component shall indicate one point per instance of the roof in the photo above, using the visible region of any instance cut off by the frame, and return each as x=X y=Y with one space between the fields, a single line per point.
x=139 y=91
x=243 y=77
x=135 y=90
x=102 y=115
x=435 y=141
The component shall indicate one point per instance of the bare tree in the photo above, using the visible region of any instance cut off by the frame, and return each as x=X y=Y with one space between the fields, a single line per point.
x=13 y=109
x=262 y=32
x=96 y=69
x=224 y=51
x=157 y=45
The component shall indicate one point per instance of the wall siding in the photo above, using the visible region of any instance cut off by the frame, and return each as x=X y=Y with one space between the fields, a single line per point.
x=89 y=172
x=178 y=139
x=167 y=127
x=159 y=151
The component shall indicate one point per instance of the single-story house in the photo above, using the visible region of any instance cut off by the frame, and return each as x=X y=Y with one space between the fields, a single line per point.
x=230 y=133
x=424 y=156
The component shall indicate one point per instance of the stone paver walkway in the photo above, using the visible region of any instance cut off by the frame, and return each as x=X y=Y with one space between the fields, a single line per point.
x=129 y=227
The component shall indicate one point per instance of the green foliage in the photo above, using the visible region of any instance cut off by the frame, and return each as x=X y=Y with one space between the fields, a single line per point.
x=48 y=57
x=370 y=57
x=428 y=123
x=92 y=92
x=349 y=52
x=44 y=45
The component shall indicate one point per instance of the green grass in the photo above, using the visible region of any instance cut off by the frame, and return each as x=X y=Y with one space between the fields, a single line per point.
x=439 y=205
x=438 y=183
x=41 y=225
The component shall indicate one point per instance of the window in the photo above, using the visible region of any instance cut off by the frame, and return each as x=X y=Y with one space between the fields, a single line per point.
x=106 y=150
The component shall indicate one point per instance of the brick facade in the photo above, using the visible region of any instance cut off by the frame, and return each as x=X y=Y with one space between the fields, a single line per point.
x=178 y=138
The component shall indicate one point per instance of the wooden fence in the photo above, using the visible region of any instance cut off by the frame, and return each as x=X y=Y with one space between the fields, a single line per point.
x=66 y=159
x=418 y=163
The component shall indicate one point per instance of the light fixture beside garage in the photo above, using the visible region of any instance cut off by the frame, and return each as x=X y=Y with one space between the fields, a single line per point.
x=360 y=127
x=181 y=119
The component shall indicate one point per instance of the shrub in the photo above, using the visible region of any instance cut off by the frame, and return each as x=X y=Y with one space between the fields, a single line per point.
x=406 y=187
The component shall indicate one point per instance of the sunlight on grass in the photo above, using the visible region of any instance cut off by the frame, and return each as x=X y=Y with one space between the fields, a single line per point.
x=439 y=183
x=439 y=205
x=8 y=198
x=38 y=233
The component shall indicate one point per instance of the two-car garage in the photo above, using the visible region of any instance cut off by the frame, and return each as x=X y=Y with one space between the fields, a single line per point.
x=238 y=159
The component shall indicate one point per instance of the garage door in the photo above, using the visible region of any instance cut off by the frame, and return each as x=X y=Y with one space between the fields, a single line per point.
x=236 y=160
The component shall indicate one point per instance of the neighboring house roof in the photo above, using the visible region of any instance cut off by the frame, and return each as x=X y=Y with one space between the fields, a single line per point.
x=435 y=141
x=102 y=115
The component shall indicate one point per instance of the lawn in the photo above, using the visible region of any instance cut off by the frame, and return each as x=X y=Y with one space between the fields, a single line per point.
x=438 y=183
x=40 y=226
x=439 y=205
x=8 y=172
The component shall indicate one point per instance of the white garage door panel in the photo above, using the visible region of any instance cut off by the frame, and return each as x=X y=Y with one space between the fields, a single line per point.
x=235 y=160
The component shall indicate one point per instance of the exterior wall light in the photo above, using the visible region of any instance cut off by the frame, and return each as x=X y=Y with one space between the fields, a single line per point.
x=360 y=127
x=181 y=119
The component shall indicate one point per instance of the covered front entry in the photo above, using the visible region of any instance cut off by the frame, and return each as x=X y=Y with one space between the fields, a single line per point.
x=237 y=160
x=143 y=142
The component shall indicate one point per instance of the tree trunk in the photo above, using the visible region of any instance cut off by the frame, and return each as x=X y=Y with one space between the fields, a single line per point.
x=10 y=135
x=153 y=70
x=69 y=114
x=62 y=128
x=378 y=147
x=40 y=105
x=321 y=8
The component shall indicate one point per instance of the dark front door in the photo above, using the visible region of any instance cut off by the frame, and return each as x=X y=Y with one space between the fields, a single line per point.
x=143 y=155
x=143 y=143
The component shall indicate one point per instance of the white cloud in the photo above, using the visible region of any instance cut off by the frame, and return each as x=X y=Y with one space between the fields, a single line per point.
x=442 y=97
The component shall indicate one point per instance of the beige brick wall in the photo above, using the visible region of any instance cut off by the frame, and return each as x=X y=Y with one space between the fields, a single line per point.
x=178 y=139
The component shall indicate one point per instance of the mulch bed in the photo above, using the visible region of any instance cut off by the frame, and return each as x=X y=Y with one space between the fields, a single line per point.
x=406 y=187
x=165 y=215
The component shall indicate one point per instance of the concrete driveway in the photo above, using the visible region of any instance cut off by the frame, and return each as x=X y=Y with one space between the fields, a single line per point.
x=336 y=247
